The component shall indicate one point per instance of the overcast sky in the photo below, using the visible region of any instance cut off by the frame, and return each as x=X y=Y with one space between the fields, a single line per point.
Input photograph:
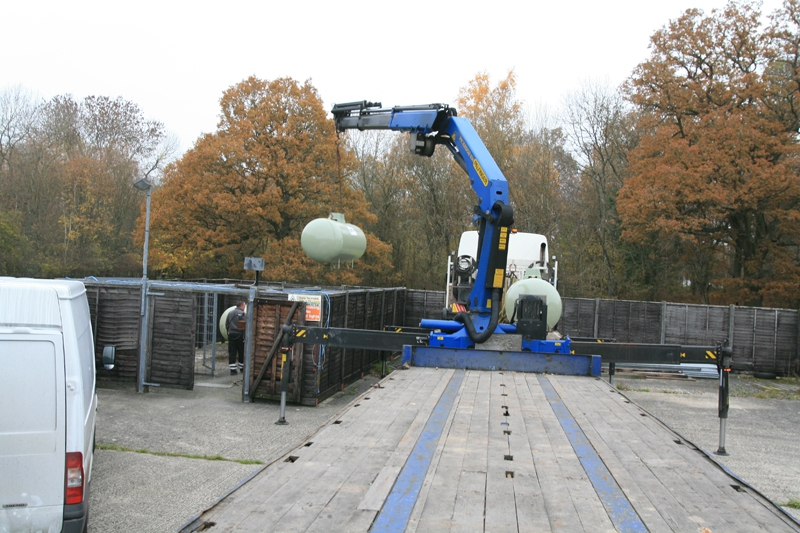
x=174 y=59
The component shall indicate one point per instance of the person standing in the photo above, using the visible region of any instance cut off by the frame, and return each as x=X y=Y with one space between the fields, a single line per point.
x=236 y=338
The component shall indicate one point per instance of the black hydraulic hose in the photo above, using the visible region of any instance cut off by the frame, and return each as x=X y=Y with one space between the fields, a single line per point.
x=466 y=319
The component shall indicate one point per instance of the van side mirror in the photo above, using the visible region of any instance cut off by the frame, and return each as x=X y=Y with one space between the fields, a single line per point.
x=109 y=356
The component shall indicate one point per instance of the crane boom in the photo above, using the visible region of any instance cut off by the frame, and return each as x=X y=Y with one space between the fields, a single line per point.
x=431 y=125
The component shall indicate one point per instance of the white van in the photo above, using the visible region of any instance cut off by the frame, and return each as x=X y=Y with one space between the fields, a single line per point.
x=47 y=405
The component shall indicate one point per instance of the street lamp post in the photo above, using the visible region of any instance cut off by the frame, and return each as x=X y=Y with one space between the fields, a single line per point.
x=144 y=185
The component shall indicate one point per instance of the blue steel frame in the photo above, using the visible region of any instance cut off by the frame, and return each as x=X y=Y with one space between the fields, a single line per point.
x=550 y=363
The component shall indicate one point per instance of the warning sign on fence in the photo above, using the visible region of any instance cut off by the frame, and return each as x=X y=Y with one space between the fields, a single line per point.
x=313 y=305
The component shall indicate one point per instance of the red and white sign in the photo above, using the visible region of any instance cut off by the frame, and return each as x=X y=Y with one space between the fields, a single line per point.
x=313 y=305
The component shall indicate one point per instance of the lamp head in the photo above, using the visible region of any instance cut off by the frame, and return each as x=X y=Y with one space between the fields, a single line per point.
x=143 y=184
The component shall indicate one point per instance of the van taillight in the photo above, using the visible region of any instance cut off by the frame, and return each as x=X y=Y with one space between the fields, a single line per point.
x=74 y=489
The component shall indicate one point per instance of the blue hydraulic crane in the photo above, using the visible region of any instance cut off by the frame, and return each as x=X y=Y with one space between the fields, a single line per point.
x=438 y=124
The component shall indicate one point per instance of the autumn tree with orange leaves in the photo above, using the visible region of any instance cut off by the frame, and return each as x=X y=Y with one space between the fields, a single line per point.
x=714 y=184
x=248 y=189
x=533 y=158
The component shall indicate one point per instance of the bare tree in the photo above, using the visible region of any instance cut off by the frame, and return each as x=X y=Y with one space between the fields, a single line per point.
x=18 y=109
x=601 y=131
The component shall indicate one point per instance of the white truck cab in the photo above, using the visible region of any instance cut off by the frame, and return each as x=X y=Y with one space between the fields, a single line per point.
x=527 y=258
x=47 y=394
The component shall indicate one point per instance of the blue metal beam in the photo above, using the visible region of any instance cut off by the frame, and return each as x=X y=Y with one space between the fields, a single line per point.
x=618 y=507
x=572 y=365
x=396 y=511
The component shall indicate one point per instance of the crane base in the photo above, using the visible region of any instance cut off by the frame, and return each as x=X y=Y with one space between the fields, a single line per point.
x=550 y=363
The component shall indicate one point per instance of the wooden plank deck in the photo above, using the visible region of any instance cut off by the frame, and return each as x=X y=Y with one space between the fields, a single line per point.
x=437 y=450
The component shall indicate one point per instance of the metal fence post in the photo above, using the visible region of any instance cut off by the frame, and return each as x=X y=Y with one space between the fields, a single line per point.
x=214 y=335
x=596 y=318
x=248 y=344
x=205 y=328
x=775 y=345
x=797 y=346
x=755 y=327
x=731 y=324
x=143 y=336
x=663 y=322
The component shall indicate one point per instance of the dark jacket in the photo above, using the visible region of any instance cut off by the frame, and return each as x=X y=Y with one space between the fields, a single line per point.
x=233 y=323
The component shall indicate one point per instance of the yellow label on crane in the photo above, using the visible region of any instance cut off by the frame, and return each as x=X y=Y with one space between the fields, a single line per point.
x=499 y=275
x=503 y=242
x=481 y=174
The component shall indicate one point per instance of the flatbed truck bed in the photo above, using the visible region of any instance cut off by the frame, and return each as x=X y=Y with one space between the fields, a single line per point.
x=433 y=450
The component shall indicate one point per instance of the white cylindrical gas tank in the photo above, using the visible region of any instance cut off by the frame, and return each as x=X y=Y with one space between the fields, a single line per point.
x=328 y=241
x=536 y=287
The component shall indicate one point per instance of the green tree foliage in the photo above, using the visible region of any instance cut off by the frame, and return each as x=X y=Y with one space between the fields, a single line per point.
x=248 y=189
x=66 y=169
x=13 y=245
x=714 y=181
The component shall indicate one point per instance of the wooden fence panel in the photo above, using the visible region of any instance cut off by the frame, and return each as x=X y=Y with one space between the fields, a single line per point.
x=325 y=370
x=115 y=315
x=377 y=302
x=172 y=348
x=717 y=324
x=698 y=325
x=743 y=334
x=269 y=317
x=645 y=322
x=422 y=304
x=398 y=307
x=578 y=317
x=763 y=340
x=787 y=344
